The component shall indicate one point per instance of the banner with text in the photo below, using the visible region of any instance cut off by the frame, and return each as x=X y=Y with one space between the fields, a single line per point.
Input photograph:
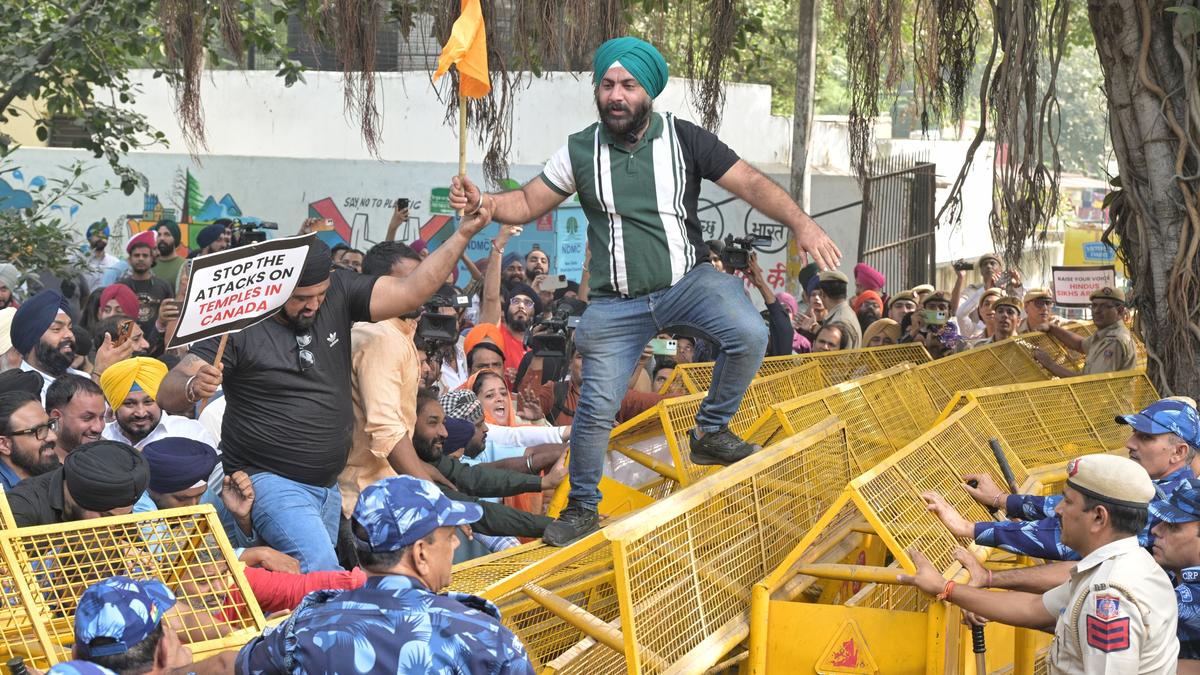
x=238 y=287
x=1074 y=285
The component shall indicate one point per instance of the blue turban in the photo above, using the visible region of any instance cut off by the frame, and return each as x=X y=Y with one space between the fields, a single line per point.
x=458 y=434
x=209 y=234
x=639 y=57
x=33 y=317
x=527 y=291
x=510 y=258
x=178 y=463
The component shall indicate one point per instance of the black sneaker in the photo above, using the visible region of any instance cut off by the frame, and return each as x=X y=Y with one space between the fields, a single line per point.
x=574 y=522
x=720 y=447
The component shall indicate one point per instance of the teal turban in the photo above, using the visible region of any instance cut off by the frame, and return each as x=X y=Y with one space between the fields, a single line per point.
x=639 y=57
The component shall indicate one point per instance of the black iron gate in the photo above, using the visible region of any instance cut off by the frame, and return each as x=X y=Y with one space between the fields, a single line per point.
x=896 y=235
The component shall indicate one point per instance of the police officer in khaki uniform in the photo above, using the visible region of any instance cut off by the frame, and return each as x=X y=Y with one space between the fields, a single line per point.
x=1111 y=348
x=1117 y=612
x=1039 y=305
x=833 y=285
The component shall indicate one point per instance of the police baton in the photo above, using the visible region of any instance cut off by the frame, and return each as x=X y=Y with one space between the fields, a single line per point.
x=1005 y=467
x=980 y=649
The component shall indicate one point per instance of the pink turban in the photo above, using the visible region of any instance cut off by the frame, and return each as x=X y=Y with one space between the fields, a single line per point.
x=868 y=278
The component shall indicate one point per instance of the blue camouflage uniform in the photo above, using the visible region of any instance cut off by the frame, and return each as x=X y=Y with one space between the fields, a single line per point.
x=1184 y=507
x=393 y=623
x=1187 y=594
x=1039 y=532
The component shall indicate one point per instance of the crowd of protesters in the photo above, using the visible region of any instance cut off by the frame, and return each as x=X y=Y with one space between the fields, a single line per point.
x=394 y=418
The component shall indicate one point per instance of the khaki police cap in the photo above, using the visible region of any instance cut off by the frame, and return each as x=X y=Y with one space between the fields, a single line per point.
x=936 y=296
x=1112 y=479
x=833 y=275
x=902 y=295
x=1007 y=301
x=992 y=292
x=922 y=288
x=1108 y=293
x=1036 y=293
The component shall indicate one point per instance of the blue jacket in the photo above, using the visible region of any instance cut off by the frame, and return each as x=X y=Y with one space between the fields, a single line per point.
x=1187 y=595
x=393 y=624
x=1039 y=532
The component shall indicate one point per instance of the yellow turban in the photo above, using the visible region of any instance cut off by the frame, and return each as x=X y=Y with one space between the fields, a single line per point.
x=120 y=378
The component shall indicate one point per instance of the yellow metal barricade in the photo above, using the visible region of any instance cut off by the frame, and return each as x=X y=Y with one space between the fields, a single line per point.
x=47 y=568
x=668 y=588
x=1069 y=358
x=1048 y=423
x=650 y=453
x=894 y=627
x=882 y=412
x=838 y=366
x=1007 y=362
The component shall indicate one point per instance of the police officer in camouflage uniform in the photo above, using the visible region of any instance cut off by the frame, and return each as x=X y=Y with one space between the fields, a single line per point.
x=397 y=622
x=1163 y=440
x=1177 y=549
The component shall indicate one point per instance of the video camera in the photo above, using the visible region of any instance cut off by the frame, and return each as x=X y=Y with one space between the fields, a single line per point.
x=244 y=233
x=736 y=253
x=552 y=341
x=436 y=330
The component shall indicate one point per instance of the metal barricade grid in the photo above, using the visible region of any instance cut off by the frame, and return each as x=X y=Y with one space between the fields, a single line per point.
x=47 y=569
x=1005 y=362
x=683 y=567
x=882 y=412
x=1048 y=423
x=838 y=366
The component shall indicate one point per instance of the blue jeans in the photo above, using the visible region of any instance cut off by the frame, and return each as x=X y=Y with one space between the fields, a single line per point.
x=298 y=519
x=611 y=336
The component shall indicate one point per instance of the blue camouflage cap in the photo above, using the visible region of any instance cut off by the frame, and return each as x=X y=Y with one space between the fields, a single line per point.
x=397 y=511
x=1168 y=416
x=1183 y=506
x=79 y=668
x=122 y=609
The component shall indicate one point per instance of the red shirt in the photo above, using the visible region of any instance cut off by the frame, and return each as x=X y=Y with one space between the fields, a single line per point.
x=513 y=347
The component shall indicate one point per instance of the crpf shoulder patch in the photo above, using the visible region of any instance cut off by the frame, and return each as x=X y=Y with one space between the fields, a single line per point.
x=1108 y=636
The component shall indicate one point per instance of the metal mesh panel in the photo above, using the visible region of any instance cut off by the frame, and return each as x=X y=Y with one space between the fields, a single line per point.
x=686 y=565
x=1048 y=423
x=882 y=413
x=1005 y=362
x=838 y=366
x=46 y=570
x=1072 y=359
x=477 y=575
x=936 y=461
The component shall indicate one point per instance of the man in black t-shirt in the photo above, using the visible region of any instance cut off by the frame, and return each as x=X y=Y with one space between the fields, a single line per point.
x=289 y=419
x=149 y=289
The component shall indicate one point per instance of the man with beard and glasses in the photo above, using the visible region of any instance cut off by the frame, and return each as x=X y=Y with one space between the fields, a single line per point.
x=149 y=289
x=638 y=174
x=131 y=387
x=169 y=261
x=41 y=333
x=78 y=405
x=26 y=438
x=289 y=416
x=99 y=479
x=522 y=306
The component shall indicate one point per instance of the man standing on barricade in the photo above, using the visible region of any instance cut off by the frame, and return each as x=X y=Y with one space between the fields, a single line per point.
x=638 y=175
x=289 y=415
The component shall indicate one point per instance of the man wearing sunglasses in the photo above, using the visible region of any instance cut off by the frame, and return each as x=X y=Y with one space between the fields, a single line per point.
x=26 y=438
x=287 y=381
x=1110 y=349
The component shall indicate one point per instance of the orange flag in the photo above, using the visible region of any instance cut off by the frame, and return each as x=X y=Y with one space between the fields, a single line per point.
x=467 y=49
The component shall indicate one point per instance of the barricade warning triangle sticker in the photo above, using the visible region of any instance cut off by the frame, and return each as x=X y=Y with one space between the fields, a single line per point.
x=847 y=653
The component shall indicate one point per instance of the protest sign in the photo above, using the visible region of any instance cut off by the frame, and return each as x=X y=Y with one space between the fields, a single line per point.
x=236 y=288
x=1074 y=285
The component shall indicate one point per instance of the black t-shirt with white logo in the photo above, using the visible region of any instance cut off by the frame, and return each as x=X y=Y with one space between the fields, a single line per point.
x=289 y=413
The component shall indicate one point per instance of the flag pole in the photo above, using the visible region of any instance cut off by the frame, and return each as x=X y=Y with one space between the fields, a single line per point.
x=462 y=135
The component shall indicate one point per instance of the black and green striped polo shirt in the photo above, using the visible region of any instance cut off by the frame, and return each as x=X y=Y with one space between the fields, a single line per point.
x=640 y=203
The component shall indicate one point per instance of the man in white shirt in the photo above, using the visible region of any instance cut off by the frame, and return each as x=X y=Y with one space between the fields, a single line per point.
x=131 y=388
x=99 y=260
x=41 y=333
